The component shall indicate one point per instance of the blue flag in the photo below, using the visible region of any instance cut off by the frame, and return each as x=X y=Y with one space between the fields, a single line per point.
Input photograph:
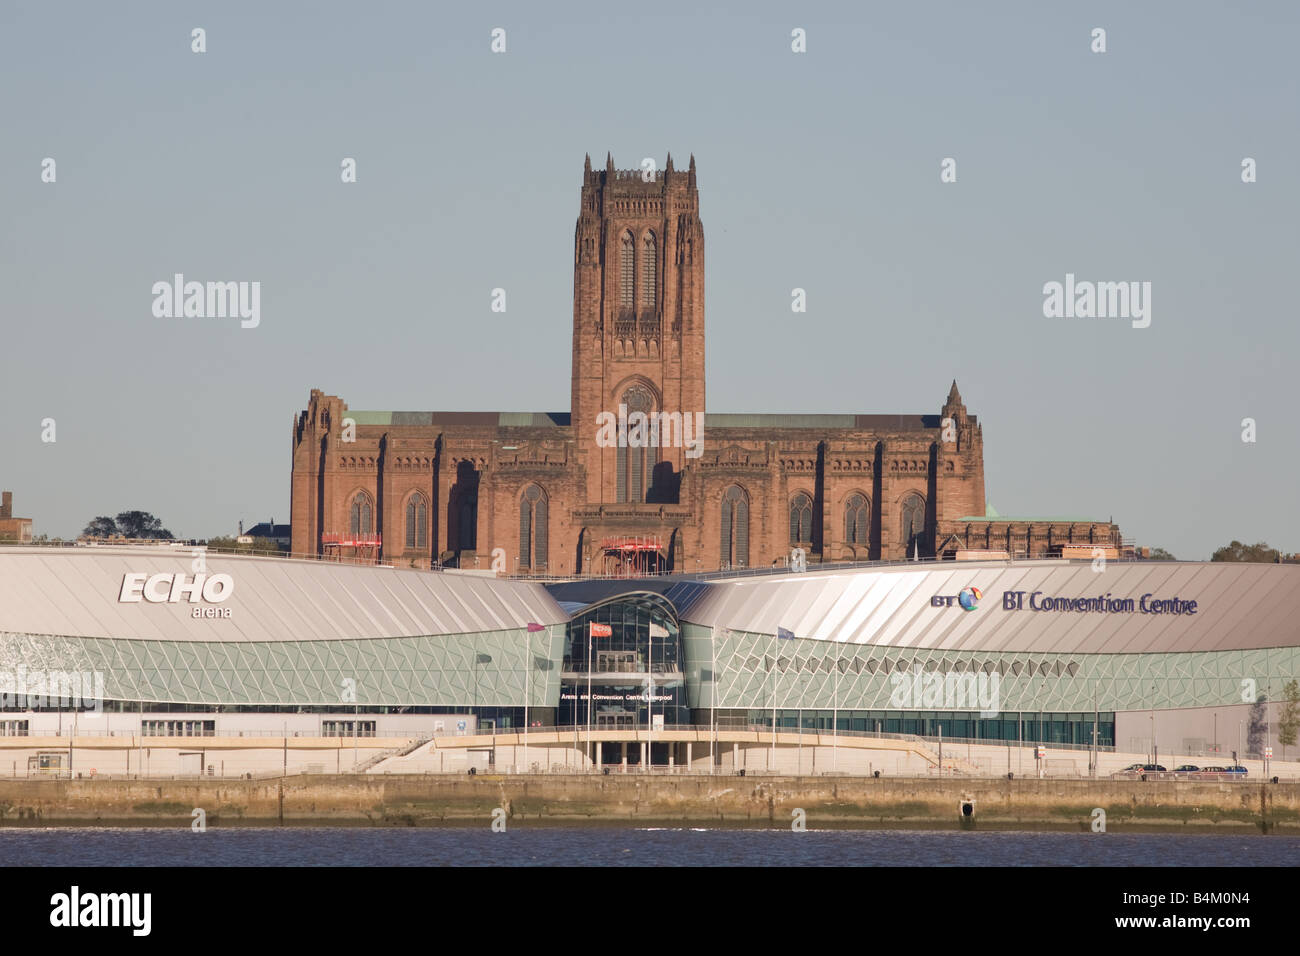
x=784 y=634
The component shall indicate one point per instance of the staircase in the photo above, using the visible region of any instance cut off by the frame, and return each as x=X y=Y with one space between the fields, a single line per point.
x=394 y=752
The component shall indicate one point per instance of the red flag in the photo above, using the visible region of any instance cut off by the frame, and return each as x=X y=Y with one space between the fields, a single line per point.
x=535 y=627
x=601 y=630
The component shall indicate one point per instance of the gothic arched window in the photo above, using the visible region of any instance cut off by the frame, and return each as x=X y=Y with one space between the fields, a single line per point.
x=649 y=264
x=417 y=514
x=801 y=509
x=857 y=520
x=735 y=528
x=635 y=460
x=913 y=524
x=361 y=514
x=532 y=528
x=627 y=270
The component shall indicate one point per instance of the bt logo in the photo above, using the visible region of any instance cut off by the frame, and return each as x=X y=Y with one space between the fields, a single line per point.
x=967 y=599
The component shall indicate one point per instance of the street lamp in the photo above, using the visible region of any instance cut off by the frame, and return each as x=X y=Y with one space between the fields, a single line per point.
x=484 y=659
x=533 y=628
x=1155 y=751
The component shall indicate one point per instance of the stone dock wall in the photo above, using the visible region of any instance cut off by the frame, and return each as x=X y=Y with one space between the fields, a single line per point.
x=588 y=799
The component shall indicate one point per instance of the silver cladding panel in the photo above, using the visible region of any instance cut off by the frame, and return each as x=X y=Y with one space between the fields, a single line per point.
x=74 y=592
x=1239 y=606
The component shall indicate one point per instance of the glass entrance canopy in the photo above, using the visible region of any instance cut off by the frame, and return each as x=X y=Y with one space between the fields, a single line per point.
x=623 y=664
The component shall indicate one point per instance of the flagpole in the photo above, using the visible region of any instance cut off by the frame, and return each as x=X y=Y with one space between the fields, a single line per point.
x=713 y=700
x=774 y=653
x=835 y=718
x=649 y=702
x=589 y=757
x=528 y=667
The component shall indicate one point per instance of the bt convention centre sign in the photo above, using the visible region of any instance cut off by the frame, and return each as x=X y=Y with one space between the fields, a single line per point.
x=968 y=600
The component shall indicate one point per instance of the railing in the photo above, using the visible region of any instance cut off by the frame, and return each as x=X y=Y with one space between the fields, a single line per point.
x=782 y=568
x=429 y=564
x=189 y=547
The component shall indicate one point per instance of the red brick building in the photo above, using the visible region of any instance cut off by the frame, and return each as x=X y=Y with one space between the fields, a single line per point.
x=13 y=529
x=637 y=472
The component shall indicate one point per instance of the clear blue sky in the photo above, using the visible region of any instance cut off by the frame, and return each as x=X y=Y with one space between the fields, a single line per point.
x=818 y=171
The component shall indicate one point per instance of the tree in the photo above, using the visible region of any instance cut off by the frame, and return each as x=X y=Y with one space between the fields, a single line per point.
x=1289 y=722
x=140 y=524
x=1257 y=726
x=1160 y=554
x=101 y=527
x=1259 y=552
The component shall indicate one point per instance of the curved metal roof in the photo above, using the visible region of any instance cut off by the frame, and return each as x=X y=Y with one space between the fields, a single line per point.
x=1239 y=606
x=75 y=592
x=644 y=597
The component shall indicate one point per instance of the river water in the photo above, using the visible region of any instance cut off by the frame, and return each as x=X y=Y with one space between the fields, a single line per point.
x=608 y=846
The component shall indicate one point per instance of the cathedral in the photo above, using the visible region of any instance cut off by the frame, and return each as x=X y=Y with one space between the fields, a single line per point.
x=637 y=477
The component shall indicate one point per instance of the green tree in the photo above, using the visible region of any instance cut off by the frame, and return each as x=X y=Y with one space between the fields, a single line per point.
x=140 y=524
x=101 y=527
x=1288 y=723
x=1260 y=552
x=1160 y=554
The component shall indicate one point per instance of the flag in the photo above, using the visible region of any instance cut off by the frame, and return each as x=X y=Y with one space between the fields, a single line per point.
x=534 y=627
x=784 y=634
x=601 y=630
x=657 y=630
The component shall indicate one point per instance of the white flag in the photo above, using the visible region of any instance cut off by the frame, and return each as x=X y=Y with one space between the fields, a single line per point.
x=658 y=630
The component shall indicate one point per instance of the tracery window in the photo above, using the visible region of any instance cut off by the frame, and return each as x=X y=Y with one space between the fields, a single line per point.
x=649 y=265
x=532 y=528
x=857 y=520
x=635 y=463
x=735 y=528
x=417 y=513
x=913 y=523
x=801 y=508
x=627 y=270
x=361 y=514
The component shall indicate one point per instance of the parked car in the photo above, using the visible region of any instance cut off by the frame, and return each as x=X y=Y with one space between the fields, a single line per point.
x=1187 y=769
x=1236 y=772
x=1142 y=770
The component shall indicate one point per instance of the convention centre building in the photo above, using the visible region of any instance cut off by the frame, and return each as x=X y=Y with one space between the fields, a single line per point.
x=160 y=642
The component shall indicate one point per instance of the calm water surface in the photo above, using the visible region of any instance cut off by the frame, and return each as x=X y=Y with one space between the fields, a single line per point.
x=292 y=846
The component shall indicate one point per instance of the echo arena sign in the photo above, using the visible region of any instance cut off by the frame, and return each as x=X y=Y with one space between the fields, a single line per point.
x=166 y=588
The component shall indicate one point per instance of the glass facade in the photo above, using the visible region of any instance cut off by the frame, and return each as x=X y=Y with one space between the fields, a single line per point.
x=1048 y=728
x=633 y=675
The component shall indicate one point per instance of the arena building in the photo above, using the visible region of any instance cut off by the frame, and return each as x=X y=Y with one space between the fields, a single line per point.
x=637 y=476
x=182 y=653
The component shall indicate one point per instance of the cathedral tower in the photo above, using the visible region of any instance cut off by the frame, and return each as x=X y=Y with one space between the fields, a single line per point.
x=638 y=326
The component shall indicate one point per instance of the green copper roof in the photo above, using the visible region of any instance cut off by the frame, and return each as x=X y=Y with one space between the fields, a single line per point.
x=488 y=419
x=1036 y=519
